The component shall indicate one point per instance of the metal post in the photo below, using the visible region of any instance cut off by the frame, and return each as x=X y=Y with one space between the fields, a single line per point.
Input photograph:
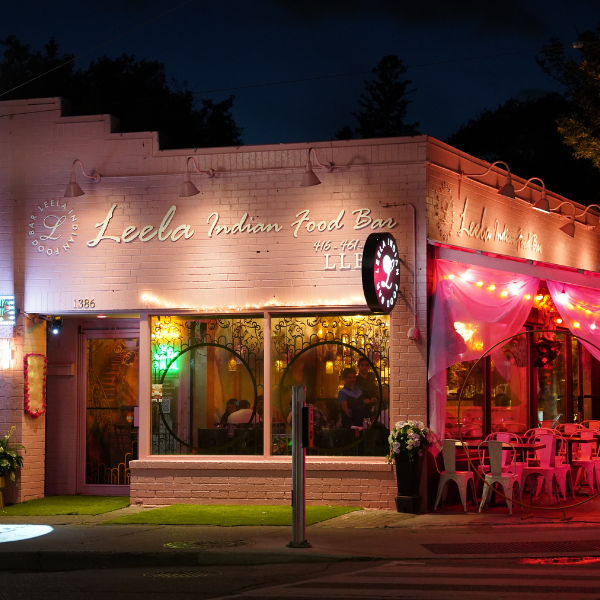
x=298 y=471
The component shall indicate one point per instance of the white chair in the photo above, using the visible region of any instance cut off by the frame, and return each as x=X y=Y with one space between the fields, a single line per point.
x=484 y=468
x=501 y=472
x=584 y=462
x=462 y=478
x=568 y=428
x=548 y=471
x=592 y=424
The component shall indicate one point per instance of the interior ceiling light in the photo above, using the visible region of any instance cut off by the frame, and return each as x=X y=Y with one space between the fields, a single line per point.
x=505 y=190
x=308 y=177
x=187 y=188
x=73 y=189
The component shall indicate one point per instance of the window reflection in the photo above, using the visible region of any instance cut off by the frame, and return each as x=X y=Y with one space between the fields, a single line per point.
x=550 y=375
x=207 y=386
x=343 y=363
x=469 y=418
x=509 y=394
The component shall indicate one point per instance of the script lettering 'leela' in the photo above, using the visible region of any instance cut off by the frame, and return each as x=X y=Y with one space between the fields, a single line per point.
x=145 y=233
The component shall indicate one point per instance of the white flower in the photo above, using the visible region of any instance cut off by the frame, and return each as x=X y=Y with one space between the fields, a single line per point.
x=395 y=447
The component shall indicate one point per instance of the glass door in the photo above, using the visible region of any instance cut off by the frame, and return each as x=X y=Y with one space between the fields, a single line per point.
x=111 y=401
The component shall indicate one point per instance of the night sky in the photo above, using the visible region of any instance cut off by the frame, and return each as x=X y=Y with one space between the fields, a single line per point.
x=464 y=55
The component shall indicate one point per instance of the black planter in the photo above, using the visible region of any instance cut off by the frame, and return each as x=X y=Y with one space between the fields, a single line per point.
x=407 y=478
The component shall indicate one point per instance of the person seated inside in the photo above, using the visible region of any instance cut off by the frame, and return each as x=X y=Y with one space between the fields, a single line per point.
x=242 y=415
x=366 y=382
x=230 y=408
x=351 y=401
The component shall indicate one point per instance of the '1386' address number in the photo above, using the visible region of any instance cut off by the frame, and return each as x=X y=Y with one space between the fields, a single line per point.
x=84 y=303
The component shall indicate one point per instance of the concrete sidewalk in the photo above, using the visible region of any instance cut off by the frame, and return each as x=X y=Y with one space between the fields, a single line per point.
x=81 y=542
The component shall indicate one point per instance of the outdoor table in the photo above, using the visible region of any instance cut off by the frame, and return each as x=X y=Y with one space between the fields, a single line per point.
x=521 y=447
x=576 y=440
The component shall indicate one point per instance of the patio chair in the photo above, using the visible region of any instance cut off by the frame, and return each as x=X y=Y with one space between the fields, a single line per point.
x=585 y=462
x=501 y=473
x=568 y=428
x=461 y=478
x=554 y=475
x=484 y=468
x=592 y=424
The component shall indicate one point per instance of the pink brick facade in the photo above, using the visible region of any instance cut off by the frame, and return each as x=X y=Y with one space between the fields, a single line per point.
x=123 y=251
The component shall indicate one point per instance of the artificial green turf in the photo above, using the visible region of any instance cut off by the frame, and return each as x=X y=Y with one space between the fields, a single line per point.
x=66 y=505
x=228 y=515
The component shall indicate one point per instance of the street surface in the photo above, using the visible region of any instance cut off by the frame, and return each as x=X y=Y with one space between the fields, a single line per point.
x=468 y=579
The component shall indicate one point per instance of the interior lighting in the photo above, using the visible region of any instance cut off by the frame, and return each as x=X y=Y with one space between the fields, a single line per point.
x=55 y=324
x=329 y=367
x=539 y=297
x=528 y=297
x=187 y=188
x=309 y=178
x=73 y=189
x=559 y=321
x=232 y=364
x=505 y=190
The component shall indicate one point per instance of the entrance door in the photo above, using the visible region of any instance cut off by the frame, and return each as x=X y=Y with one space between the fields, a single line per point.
x=109 y=422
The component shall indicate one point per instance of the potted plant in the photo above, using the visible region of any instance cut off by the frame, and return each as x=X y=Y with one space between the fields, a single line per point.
x=408 y=442
x=10 y=461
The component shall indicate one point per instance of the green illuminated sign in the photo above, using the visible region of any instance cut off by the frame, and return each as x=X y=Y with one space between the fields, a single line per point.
x=164 y=356
x=7 y=310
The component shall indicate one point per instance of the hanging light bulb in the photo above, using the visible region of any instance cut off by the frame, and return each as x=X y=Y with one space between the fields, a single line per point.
x=329 y=367
x=232 y=364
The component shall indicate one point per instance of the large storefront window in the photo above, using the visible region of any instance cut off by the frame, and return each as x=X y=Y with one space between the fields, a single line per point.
x=207 y=392
x=343 y=361
x=534 y=380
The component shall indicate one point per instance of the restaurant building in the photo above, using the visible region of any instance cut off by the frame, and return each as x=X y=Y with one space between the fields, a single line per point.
x=166 y=301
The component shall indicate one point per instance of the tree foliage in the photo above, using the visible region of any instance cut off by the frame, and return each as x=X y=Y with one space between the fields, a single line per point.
x=384 y=103
x=524 y=134
x=580 y=79
x=136 y=91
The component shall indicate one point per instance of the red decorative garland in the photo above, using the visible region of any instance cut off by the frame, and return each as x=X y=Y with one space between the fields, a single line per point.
x=38 y=412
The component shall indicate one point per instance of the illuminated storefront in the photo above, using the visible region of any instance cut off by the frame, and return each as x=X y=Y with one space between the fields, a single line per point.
x=184 y=320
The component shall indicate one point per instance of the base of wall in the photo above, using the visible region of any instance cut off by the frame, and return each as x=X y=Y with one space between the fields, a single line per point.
x=158 y=482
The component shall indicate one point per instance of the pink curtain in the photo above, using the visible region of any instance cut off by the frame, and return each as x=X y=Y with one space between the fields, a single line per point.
x=579 y=308
x=473 y=308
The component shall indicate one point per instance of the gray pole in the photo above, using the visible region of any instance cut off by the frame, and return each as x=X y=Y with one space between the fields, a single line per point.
x=298 y=471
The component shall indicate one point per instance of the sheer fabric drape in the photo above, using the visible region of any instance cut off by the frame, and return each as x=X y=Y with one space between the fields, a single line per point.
x=473 y=309
x=579 y=308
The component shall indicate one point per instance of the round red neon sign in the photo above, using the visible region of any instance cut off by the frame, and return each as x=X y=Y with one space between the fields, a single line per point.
x=381 y=272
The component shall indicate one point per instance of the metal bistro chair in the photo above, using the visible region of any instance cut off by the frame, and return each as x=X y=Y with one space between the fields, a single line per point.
x=554 y=475
x=592 y=424
x=483 y=468
x=502 y=473
x=461 y=478
x=585 y=463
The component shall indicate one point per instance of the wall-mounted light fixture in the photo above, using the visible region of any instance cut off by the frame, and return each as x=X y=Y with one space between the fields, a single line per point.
x=542 y=204
x=187 y=188
x=73 y=189
x=594 y=228
x=309 y=178
x=505 y=190
x=55 y=324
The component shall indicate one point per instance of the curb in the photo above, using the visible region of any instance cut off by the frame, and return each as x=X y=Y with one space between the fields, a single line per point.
x=76 y=561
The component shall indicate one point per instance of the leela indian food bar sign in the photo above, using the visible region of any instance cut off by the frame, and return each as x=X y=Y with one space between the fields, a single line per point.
x=54 y=228
x=483 y=228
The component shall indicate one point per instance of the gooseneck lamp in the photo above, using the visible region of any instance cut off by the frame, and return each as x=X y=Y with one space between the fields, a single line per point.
x=187 y=188
x=505 y=190
x=73 y=189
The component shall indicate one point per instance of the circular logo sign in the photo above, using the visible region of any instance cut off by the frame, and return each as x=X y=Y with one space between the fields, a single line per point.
x=381 y=272
x=53 y=227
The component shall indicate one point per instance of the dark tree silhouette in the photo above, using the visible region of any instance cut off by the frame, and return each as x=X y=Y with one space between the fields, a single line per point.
x=136 y=91
x=580 y=80
x=384 y=104
x=524 y=135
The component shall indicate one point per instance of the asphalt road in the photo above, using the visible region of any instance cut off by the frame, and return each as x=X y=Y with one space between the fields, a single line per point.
x=467 y=579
